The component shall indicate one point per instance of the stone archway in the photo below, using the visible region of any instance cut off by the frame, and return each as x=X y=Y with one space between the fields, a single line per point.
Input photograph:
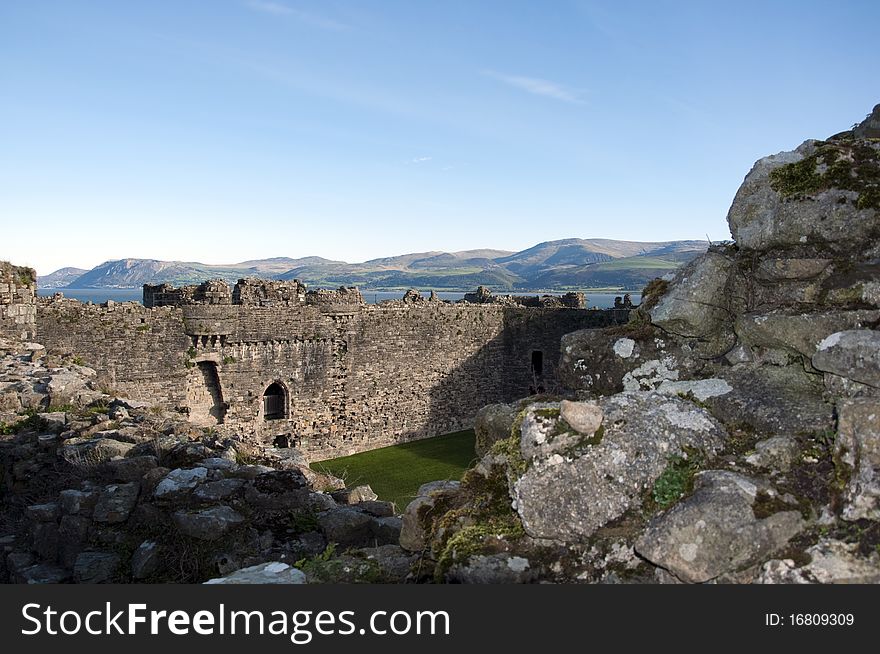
x=274 y=402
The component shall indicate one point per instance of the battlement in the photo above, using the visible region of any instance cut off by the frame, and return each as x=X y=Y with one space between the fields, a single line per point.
x=248 y=292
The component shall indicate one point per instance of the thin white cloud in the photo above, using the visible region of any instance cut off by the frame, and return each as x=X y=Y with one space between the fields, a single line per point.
x=279 y=9
x=419 y=160
x=538 y=86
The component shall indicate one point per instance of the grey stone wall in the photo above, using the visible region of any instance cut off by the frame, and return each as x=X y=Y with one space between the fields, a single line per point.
x=139 y=352
x=352 y=376
x=18 y=310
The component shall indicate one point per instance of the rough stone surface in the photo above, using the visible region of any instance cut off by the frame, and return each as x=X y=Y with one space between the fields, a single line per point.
x=761 y=218
x=800 y=333
x=858 y=454
x=354 y=495
x=773 y=399
x=832 y=562
x=777 y=453
x=180 y=480
x=591 y=361
x=694 y=304
x=870 y=127
x=208 y=524
x=715 y=531
x=584 y=417
x=500 y=568
x=567 y=497
x=700 y=389
x=346 y=526
x=429 y=496
x=853 y=354
x=95 y=567
x=492 y=424
x=214 y=491
x=116 y=502
x=264 y=573
x=145 y=560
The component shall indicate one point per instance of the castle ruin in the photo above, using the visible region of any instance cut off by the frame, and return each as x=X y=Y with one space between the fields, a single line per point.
x=321 y=370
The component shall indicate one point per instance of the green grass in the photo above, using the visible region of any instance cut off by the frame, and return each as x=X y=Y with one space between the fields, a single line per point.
x=395 y=473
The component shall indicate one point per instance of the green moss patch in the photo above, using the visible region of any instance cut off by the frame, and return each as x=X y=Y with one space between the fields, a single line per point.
x=843 y=165
x=677 y=480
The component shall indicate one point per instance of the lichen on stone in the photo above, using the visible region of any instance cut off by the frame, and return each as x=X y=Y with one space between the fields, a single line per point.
x=843 y=165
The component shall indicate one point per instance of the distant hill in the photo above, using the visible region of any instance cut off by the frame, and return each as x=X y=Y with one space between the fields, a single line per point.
x=60 y=277
x=564 y=264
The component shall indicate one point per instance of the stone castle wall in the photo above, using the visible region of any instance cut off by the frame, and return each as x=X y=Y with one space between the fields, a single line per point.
x=352 y=376
x=18 y=309
x=137 y=351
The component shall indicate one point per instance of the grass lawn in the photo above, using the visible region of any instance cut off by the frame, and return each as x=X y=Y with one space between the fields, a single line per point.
x=395 y=473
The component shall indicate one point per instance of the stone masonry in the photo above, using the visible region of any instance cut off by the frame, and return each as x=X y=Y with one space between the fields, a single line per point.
x=18 y=309
x=320 y=369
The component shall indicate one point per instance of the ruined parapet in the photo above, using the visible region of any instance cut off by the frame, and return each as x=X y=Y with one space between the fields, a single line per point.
x=482 y=296
x=18 y=308
x=214 y=291
x=567 y=301
x=263 y=292
x=343 y=296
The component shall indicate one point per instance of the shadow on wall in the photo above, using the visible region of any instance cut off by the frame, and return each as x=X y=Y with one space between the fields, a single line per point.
x=520 y=361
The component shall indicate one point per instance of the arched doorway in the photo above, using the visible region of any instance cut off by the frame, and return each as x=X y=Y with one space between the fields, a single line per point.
x=274 y=402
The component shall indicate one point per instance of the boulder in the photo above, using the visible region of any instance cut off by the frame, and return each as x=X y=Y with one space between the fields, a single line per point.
x=377 y=508
x=603 y=362
x=799 y=333
x=831 y=562
x=77 y=502
x=95 y=567
x=116 y=502
x=208 y=524
x=492 y=424
x=386 y=531
x=354 y=495
x=773 y=399
x=53 y=421
x=145 y=561
x=214 y=491
x=264 y=573
x=853 y=354
x=870 y=127
x=857 y=455
x=584 y=417
x=346 y=526
x=128 y=469
x=73 y=536
x=794 y=199
x=501 y=568
x=85 y=451
x=43 y=573
x=431 y=500
x=394 y=561
x=715 y=531
x=180 y=480
x=695 y=304
x=567 y=493
x=43 y=512
x=776 y=453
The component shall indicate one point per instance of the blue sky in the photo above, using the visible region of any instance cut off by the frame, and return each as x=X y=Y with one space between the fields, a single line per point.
x=227 y=130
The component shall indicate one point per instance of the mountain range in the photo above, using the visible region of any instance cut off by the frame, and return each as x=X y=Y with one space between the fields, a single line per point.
x=553 y=265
